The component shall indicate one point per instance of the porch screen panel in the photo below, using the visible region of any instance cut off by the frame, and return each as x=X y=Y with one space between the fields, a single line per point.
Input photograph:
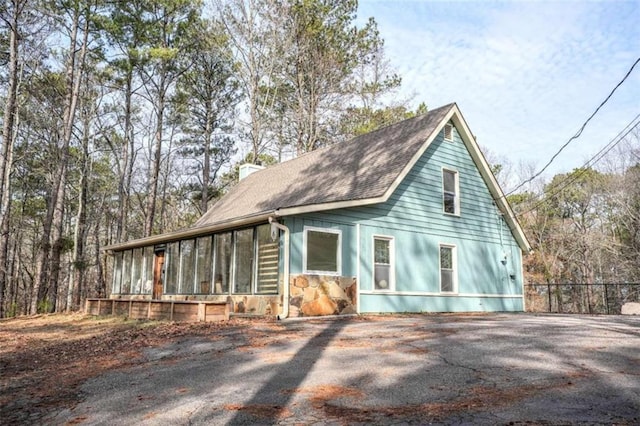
x=126 y=272
x=243 y=272
x=267 y=263
x=172 y=267
x=136 y=271
x=203 y=265
x=117 y=273
x=222 y=272
x=187 y=266
x=147 y=275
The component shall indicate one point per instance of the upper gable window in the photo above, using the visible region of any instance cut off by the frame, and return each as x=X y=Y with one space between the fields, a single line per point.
x=322 y=253
x=448 y=132
x=450 y=192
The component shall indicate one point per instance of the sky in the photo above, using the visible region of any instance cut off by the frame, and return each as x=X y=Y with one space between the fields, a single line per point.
x=525 y=74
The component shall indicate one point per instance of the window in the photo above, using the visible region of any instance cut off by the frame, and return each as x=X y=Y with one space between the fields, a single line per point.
x=126 y=272
x=136 y=271
x=222 y=267
x=243 y=261
x=448 y=132
x=447 y=269
x=267 y=263
x=187 y=266
x=148 y=258
x=172 y=268
x=117 y=272
x=451 y=202
x=203 y=265
x=322 y=251
x=383 y=273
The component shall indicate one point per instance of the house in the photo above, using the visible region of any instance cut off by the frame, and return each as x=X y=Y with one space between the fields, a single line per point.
x=408 y=218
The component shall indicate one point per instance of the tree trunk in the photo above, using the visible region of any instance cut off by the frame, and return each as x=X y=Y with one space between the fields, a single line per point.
x=48 y=266
x=128 y=158
x=101 y=282
x=206 y=166
x=157 y=157
x=76 y=278
x=8 y=138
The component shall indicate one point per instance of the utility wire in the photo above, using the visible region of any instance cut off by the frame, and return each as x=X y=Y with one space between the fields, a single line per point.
x=560 y=186
x=578 y=133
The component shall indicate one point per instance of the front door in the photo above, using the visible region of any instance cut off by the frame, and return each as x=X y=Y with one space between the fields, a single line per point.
x=157 y=274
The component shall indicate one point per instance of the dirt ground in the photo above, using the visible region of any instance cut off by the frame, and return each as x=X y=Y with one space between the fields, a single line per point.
x=43 y=359
x=393 y=369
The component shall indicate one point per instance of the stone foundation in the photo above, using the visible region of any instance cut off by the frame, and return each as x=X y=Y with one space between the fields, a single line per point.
x=318 y=295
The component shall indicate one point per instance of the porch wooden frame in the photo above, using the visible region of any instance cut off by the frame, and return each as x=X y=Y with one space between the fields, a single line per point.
x=171 y=310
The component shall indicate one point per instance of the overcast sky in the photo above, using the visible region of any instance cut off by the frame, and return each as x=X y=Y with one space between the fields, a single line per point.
x=526 y=75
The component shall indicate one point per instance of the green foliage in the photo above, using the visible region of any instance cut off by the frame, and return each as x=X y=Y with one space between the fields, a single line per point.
x=12 y=310
x=359 y=121
x=45 y=306
x=574 y=193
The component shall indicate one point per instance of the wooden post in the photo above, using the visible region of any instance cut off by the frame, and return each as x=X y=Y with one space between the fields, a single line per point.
x=202 y=312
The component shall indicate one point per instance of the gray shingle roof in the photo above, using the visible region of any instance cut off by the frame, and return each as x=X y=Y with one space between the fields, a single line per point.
x=359 y=169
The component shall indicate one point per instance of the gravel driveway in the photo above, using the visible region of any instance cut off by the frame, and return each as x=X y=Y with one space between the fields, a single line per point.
x=413 y=369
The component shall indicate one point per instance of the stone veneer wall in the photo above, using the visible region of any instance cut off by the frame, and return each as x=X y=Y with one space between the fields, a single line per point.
x=315 y=295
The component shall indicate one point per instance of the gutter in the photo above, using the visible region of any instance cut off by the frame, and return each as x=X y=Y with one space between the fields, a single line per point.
x=186 y=233
x=285 y=291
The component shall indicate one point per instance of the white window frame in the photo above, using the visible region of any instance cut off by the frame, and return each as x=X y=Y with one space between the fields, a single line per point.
x=456 y=178
x=454 y=270
x=338 y=254
x=392 y=263
x=448 y=126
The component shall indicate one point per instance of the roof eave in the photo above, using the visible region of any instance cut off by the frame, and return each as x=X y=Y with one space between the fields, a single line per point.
x=312 y=208
x=484 y=169
x=454 y=115
x=189 y=233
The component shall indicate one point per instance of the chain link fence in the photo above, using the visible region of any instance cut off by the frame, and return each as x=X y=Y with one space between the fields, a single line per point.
x=580 y=298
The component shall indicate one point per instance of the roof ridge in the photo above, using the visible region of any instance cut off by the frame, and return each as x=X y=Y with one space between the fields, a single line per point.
x=363 y=136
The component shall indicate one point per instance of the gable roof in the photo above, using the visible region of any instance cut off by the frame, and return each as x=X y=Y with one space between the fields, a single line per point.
x=360 y=169
x=365 y=170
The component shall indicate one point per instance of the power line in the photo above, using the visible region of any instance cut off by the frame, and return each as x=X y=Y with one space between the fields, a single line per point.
x=578 y=133
x=560 y=186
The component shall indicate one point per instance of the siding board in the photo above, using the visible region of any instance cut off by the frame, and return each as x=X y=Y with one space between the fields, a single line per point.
x=489 y=259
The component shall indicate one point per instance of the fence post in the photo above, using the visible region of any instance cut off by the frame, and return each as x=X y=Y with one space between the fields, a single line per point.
x=588 y=299
x=549 y=294
x=606 y=297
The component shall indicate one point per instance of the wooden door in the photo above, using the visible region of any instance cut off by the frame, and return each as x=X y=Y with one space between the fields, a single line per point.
x=157 y=274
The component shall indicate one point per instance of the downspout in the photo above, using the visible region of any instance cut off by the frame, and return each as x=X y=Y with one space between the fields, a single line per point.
x=285 y=291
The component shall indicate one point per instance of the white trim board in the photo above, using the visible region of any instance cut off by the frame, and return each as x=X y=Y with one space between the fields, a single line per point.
x=430 y=294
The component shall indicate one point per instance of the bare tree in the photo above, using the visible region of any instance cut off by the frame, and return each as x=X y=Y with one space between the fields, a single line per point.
x=11 y=16
x=48 y=262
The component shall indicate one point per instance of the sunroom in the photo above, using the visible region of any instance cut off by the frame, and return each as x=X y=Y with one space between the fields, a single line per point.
x=237 y=267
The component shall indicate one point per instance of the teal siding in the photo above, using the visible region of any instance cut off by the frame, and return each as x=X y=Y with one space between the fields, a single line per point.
x=417 y=303
x=296 y=226
x=488 y=258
